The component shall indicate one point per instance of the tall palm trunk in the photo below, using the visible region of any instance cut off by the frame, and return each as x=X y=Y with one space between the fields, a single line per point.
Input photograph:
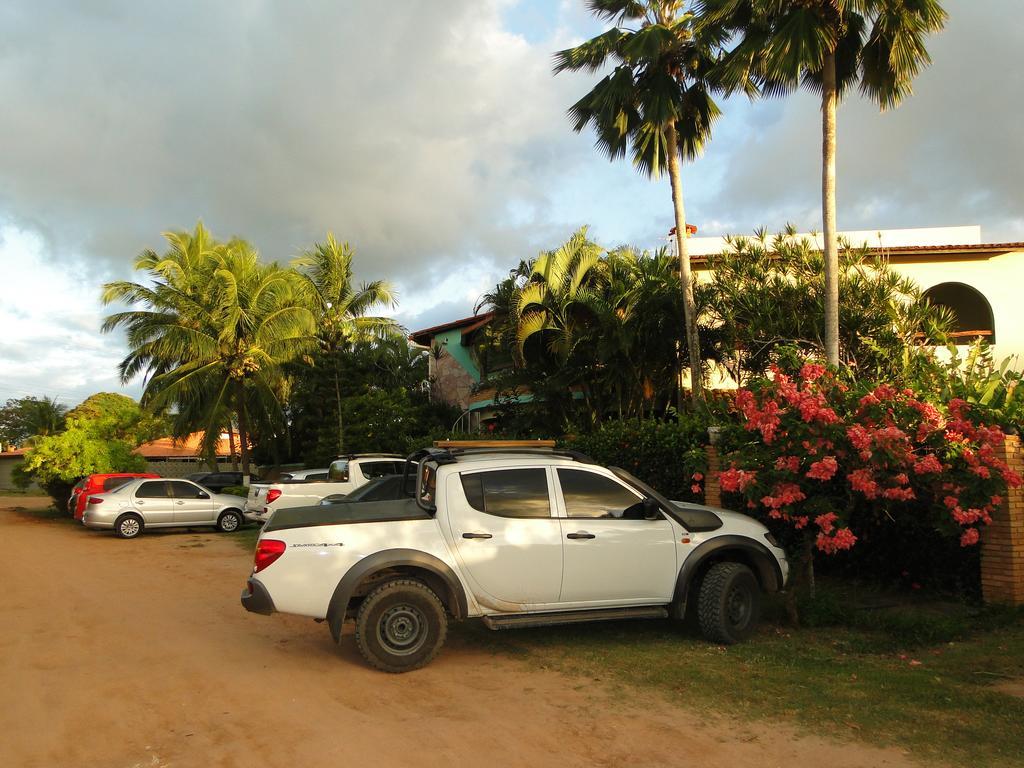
x=231 y=446
x=337 y=399
x=828 y=208
x=243 y=425
x=689 y=306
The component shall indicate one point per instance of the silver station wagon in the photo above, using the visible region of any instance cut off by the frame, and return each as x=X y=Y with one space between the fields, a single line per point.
x=162 y=503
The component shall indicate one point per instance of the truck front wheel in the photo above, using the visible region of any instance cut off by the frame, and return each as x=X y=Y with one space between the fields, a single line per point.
x=401 y=626
x=729 y=603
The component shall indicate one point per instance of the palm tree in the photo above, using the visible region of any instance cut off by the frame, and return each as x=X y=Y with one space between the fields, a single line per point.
x=340 y=309
x=23 y=419
x=656 y=102
x=216 y=326
x=829 y=46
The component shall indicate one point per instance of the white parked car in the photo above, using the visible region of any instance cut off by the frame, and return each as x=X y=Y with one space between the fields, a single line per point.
x=342 y=477
x=516 y=538
x=164 y=503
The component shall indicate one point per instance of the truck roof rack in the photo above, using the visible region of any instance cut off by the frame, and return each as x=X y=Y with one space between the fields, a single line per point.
x=449 y=451
x=494 y=443
x=370 y=456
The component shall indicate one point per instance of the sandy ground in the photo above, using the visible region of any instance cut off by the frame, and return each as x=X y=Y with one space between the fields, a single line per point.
x=137 y=653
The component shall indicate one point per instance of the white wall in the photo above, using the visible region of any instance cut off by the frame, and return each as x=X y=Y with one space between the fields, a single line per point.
x=1000 y=279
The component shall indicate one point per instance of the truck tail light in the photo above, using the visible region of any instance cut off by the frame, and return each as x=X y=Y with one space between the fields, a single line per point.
x=95 y=500
x=272 y=495
x=267 y=551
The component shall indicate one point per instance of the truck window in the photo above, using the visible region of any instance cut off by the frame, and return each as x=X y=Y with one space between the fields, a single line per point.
x=508 y=492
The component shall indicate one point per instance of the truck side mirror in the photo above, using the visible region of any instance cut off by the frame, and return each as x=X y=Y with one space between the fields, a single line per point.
x=652 y=509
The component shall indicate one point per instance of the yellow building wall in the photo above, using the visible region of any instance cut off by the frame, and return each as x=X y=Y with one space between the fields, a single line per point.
x=999 y=279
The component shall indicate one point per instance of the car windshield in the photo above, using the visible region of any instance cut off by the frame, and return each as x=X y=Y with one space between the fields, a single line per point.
x=121 y=488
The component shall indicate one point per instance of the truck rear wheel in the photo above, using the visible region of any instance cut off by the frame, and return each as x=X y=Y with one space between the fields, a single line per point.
x=401 y=626
x=729 y=604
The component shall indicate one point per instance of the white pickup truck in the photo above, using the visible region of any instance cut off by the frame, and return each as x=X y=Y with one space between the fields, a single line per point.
x=344 y=476
x=516 y=537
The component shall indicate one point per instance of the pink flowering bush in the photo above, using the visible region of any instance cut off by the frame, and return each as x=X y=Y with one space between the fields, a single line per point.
x=819 y=455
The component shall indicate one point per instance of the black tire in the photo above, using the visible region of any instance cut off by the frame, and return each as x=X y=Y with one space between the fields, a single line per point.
x=401 y=626
x=128 y=526
x=229 y=521
x=729 y=604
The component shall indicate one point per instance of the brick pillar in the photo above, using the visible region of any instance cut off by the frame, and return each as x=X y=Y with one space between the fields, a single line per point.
x=1002 y=542
x=712 y=491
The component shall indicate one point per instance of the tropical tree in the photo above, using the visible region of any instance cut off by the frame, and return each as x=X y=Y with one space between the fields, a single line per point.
x=829 y=46
x=101 y=435
x=22 y=419
x=587 y=326
x=656 y=102
x=214 y=329
x=766 y=296
x=341 y=310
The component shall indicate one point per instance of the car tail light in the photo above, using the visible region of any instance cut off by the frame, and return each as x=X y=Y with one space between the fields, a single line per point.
x=267 y=551
x=95 y=500
x=272 y=495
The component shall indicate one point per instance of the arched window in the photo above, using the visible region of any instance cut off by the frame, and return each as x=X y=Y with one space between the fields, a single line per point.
x=972 y=310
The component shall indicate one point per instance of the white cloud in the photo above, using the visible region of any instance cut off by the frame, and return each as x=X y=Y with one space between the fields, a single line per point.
x=50 y=315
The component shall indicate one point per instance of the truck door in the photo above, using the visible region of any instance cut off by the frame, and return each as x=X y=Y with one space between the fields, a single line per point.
x=507 y=538
x=611 y=557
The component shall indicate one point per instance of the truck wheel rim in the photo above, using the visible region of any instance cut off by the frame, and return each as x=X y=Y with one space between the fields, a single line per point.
x=130 y=527
x=401 y=629
x=738 y=606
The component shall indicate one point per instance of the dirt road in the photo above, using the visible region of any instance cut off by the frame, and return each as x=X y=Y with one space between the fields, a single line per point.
x=137 y=653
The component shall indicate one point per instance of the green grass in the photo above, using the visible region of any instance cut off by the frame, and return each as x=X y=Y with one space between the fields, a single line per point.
x=246 y=536
x=35 y=492
x=869 y=683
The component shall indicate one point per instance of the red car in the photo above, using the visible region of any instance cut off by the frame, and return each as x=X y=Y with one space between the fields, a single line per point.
x=99 y=484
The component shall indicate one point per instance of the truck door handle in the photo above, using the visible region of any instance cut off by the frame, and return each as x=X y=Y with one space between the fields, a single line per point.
x=580 y=535
x=476 y=535
x=179 y=502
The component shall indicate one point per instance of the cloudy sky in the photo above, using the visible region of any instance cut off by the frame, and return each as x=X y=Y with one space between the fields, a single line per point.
x=431 y=135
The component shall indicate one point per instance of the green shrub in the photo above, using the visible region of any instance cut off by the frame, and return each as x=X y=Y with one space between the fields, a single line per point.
x=664 y=454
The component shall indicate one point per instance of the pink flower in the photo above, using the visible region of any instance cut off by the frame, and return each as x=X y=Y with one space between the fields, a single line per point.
x=969 y=537
x=861 y=480
x=824 y=469
x=783 y=495
x=957 y=407
x=788 y=463
x=898 y=494
x=860 y=438
x=695 y=488
x=736 y=480
x=927 y=465
x=826 y=522
x=698 y=476
x=842 y=539
x=812 y=372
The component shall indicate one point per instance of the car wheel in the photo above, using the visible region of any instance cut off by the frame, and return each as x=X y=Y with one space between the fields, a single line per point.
x=229 y=521
x=401 y=626
x=729 y=604
x=128 y=526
